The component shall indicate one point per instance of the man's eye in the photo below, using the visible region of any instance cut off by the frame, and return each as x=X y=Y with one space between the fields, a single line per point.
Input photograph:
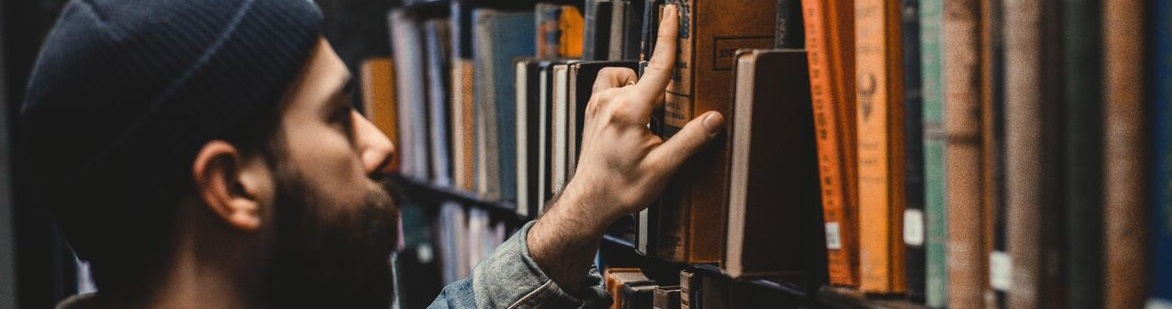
x=343 y=118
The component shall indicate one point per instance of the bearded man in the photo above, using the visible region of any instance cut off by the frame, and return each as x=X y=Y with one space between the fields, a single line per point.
x=203 y=154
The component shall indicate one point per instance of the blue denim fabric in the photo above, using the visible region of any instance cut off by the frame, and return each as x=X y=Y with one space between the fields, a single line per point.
x=511 y=279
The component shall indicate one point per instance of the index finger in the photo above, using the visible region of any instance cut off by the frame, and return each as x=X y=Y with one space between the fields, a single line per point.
x=659 y=70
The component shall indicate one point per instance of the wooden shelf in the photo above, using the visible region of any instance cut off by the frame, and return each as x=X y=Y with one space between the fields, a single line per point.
x=430 y=193
x=837 y=297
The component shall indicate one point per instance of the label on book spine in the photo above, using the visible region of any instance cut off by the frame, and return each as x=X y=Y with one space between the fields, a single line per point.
x=1000 y=271
x=1156 y=303
x=913 y=227
x=833 y=242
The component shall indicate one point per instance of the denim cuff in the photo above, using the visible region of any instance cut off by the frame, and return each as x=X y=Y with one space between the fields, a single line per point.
x=511 y=279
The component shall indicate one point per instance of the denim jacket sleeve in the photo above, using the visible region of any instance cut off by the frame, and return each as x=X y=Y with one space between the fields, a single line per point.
x=511 y=279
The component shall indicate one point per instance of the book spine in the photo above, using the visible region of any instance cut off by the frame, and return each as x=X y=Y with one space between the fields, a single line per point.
x=966 y=267
x=1023 y=136
x=525 y=129
x=618 y=18
x=412 y=91
x=686 y=282
x=463 y=128
x=992 y=152
x=833 y=143
x=437 y=42
x=935 y=141
x=881 y=143
x=678 y=110
x=548 y=33
x=571 y=29
x=789 y=30
x=1125 y=230
x=1053 y=283
x=913 y=216
x=590 y=32
x=1160 y=204
x=1082 y=157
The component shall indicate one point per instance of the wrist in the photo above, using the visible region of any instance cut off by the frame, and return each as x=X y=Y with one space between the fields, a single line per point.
x=589 y=202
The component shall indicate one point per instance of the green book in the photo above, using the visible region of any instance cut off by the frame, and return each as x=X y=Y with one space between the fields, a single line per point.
x=935 y=139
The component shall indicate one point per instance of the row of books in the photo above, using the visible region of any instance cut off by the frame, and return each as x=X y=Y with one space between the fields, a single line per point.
x=996 y=153
x=440 y=244
x=631 y=288
x=1003 y=154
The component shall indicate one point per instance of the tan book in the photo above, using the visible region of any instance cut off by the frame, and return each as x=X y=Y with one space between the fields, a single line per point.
x=463 y=125
x=880 y=142
x=1023 y=159
x=1124 y=152
x=967 y=271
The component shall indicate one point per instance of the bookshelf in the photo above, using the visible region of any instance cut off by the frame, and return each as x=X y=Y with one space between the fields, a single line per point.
x=621 y=251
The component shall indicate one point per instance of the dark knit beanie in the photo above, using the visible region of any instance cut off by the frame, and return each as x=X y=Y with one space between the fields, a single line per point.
x=126 y=92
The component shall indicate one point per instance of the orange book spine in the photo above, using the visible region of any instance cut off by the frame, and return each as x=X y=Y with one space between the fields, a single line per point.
x=463 y=130
x=835 y=139
x=573 y=26
x=990 y=144
x=967 y=269
x=378 y=99
x=880 y=142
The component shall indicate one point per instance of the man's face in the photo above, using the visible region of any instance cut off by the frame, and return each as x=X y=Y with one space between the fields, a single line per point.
x=333 y=222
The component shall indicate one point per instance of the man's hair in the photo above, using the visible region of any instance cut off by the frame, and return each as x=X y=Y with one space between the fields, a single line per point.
x=125 y=93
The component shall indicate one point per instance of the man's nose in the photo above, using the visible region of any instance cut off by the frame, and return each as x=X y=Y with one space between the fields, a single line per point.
x=374 y=148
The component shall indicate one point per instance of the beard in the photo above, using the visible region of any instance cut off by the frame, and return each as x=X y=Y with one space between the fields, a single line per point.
x=328 y=254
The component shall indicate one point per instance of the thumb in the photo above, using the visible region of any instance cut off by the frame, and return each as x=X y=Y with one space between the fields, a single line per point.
x=690 y=139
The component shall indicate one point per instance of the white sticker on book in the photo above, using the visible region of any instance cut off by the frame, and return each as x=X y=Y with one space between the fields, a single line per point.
x=833 y=241
x=913 y=227
x=1156 y=303
x=1000 y=267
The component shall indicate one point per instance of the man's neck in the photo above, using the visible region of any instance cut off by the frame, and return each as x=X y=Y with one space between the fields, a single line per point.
x=210 y=268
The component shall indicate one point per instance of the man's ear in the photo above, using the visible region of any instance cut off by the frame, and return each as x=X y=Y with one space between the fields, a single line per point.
x=232 y=186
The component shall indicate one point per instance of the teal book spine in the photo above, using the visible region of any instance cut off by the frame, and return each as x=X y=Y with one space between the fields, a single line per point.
x=499 y=37
x=935 y=139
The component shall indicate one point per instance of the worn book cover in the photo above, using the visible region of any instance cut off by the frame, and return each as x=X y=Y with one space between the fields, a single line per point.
x=694 y=205
x=1124 y=149
x=1024 y=168
x=967 y=268
x=774 y=216
x=881 y=142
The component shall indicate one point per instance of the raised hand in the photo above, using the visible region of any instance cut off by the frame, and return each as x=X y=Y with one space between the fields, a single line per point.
x=622 y=166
